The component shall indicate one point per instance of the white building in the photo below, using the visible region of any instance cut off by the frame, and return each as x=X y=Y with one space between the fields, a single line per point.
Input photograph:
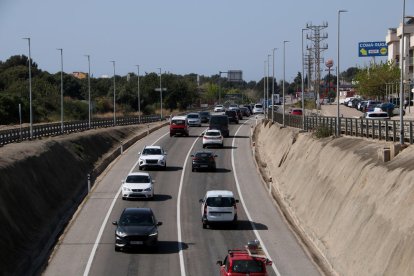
x=393 y=41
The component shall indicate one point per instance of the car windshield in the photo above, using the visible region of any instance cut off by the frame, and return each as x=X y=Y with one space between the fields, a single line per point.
x=246 y=266
x=151 y=152
x=136 y=219
x=137 y=179
x=192 y=116
x=203 y=154
x=220 y=201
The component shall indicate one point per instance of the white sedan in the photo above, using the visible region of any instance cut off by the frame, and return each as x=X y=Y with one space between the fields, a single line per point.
x=138 y=185
x=213 y=137
x=219 y=108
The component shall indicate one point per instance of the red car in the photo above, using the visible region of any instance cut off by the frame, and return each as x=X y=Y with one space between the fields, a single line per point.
x=296 y=111
x=248 y=261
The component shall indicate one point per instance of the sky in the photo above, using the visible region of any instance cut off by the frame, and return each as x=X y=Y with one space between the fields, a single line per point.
x=189 y=36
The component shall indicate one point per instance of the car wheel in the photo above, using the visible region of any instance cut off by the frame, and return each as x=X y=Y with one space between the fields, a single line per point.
x=204 y=146
x=123 y=198
x=165 y=167
x=117 y=249
x=204 y=225
x=140 y=168
x=221 y=145
x=171 y=135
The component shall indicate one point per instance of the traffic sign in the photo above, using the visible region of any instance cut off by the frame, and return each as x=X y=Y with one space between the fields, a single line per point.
x=372 y=49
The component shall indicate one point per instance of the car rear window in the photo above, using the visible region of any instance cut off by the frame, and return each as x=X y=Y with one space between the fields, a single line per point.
x=219 y=120
x=192 y=116
x=247 y=266
x=213 y=133
x=137 y=179
x=220 y=201
x=258 y=106
x=203 y=154
x=177 y=122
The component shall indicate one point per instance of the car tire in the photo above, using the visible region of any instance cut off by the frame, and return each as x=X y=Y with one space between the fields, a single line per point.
x=123 y=198
x=140 y=168
x=204 y=225
x=117 y=249
x=221 y=146
x=204 y=146
x=165 y=167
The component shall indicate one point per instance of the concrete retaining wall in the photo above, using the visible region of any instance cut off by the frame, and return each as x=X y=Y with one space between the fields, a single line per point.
x=354 y=208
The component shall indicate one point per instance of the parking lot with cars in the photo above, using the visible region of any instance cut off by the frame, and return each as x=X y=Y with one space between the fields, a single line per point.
x=183 y=246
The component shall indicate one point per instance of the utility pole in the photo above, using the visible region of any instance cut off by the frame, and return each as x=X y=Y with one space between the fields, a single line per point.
x=317 y=37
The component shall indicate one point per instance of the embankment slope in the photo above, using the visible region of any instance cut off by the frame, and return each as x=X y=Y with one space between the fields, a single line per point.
x=356 y=210
x=42 y=183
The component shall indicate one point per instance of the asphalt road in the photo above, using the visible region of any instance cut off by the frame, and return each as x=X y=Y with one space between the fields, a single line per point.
x=87 y=246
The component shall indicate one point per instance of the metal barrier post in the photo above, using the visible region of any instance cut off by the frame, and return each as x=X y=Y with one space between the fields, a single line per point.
x=89 y=182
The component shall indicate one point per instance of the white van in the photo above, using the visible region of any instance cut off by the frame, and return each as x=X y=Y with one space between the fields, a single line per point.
x=218 y=206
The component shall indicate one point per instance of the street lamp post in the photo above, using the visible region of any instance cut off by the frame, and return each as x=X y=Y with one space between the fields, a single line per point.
x=89 y=91
x=61 y=90
x=264 y=83
x=284 y=66
x=160 y=93
x=139 y=99
x=113 y=63
x=338 y=125
x=30 y=90
x=402 y=59
x=303 y=85
x=273 y=82
x=267 y=90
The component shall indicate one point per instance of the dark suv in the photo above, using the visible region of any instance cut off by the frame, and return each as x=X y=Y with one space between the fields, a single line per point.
x=220 y=122
x=233 y=117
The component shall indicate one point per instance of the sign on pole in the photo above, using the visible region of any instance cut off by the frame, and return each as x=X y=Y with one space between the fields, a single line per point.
x=372 y=49
x=235 y=75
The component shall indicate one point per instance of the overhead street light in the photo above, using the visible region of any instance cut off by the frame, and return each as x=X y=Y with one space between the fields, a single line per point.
x=160 y=92
x=89 y=91
x=139 y=100
x=338 y=125
x=284 y=66
x=113 y=63
x=273 y=82
x=30 y=90
x=61 y=90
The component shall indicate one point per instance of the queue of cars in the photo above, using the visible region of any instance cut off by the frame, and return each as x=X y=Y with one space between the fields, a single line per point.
x=138 y=226
x=373 y=106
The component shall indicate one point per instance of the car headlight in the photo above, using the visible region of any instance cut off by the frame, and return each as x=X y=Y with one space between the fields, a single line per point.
x=148 y=189
x=120 y=233
x=126 y=189
x=153 y=233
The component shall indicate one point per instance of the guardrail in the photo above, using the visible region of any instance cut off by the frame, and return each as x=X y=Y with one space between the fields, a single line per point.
x=42 y=130
x=388 y=130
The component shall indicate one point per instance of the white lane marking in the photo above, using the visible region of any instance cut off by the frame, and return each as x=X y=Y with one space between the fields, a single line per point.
x=244 y=205
x=98 y=238
x=180 y=248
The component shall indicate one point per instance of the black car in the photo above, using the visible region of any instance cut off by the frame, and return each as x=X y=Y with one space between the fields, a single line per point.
x=204 y=116
x=203 y=160
x=220 y=122
x=233 y=117
x=136 y=227
x=245 y=111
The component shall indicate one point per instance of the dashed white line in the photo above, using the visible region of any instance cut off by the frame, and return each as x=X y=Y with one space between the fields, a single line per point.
x=105 y=221
x=244 y=205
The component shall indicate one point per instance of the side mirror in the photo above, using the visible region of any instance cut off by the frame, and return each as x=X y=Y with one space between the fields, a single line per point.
x=192 y=155
x=153 y=181
x=159 y=223
x=165 y=153
x=220 y=263
x=123 y=181
x=139 y=153
x=268 y=262
x=115 y=223
x=201 y=201
x=237 y=201
x=215 y=155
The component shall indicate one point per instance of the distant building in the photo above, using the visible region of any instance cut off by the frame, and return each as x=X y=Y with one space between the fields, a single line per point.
x=394 y=53
x=79 y=75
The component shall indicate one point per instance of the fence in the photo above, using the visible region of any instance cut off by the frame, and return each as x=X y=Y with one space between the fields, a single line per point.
x=43 y=130
x=388 y=130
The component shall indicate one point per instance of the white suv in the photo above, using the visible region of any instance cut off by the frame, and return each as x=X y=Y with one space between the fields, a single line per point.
x=219 y=108
x=218 y=206
x=137 y=185
x=152 y=157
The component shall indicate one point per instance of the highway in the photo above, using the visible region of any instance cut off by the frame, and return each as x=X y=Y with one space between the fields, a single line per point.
x=87 y=246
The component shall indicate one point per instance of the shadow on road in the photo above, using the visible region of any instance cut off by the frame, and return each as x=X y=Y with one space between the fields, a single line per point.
x=242 y=225
x=163 y=247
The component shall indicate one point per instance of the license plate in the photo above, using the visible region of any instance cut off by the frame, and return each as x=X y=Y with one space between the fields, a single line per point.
x=137 y=242
x=203 y=166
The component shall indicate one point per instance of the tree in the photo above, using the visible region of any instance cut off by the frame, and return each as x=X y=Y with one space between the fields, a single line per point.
x=372 y=80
